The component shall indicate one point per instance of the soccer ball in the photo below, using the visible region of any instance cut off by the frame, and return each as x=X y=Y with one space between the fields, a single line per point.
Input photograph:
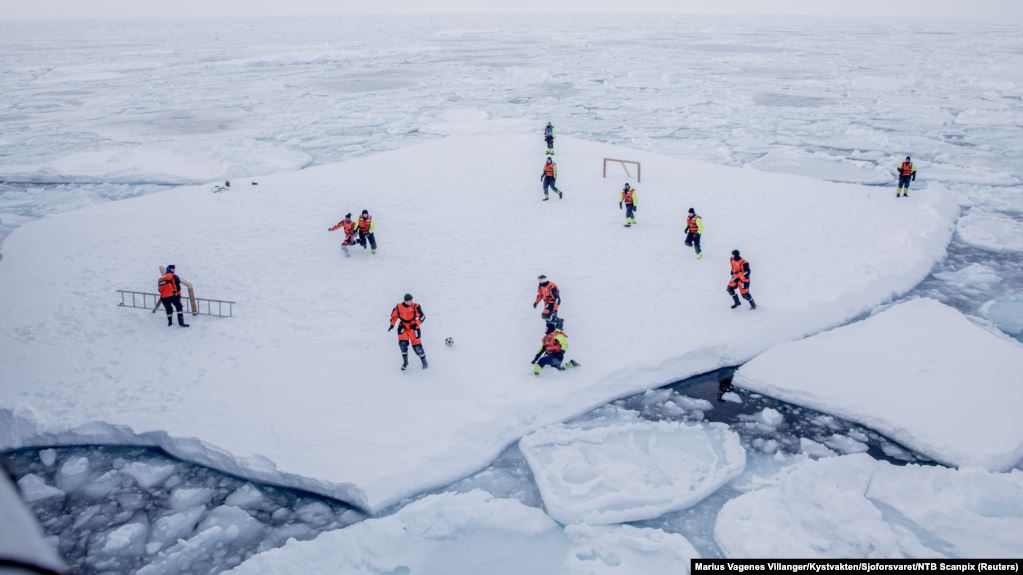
x=449 y=341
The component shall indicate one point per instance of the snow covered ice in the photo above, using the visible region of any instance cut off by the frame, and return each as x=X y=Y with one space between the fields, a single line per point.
x=472 y=533
x=275 y=366
x=631 y=471
x=856 y=506
x=905 y=379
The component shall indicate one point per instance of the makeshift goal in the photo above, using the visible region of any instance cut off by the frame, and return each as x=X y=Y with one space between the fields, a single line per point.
x=624 y=164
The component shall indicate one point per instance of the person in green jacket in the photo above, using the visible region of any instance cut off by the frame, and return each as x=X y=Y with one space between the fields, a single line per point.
x=552 y=351
x=694 y=229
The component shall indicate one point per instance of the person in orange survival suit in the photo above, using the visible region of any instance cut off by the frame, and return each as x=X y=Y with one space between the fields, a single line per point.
x=552 y=351
x=170 y=295
x=548 y=292
x=350 y=228
x=740 y=279
x=411 y=316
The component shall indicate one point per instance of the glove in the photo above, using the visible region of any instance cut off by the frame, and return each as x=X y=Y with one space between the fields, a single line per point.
x=390 y=328
x=635 y=208
x=534 y=305
x=914 y=177
x=619 y=205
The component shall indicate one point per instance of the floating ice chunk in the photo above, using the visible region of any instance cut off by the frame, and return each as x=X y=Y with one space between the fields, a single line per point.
x=316 y=513
x=1006 y=312
x=692 y=403
x=181 y=557
x=48 y=457
x=103 y=485
x=973 y=274
x=845 y=444
x=770 y=417
x=148 y=475
x=631 y=471
x=73 y=473
x=822 y=166
x=167 y=530
x=34 y=488
x=245 y=496
x=126 y=540
x=732 y=397
x=184 y=498
x=238 y=525
x=991 y=231
x=814 y=449
x=471 y=533
x=905 y=381
x=855 y=506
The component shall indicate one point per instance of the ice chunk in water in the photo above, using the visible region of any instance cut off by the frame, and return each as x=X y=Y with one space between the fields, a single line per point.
x=34 y=488
x=245 y=496
x=991 y=231
x=1007 y=313
x=148 y=475
x=187 y=497
x=73 y=473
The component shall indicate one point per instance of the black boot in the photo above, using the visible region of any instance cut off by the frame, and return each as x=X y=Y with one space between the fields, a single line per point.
x=170 y=321
x=423 y=358
x=735 y=301
x=404 y=361
x=181 y=321
x=752 y=304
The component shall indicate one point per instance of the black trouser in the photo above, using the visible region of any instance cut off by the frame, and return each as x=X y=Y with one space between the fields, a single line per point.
x=550 y=142
x=171 y=303
x=630 y=211
x=553 y=360
x=548 y=181
x=904 y=181
x=372 y=240
x=693 y=239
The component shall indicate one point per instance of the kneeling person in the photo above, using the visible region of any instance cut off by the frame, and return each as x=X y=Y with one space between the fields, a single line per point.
x=552 y=351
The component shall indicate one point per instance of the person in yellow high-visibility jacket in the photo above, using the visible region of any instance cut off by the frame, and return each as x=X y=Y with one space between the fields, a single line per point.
x=628 y=198
x=694 y=230
x=907 y=173
x=552 y=351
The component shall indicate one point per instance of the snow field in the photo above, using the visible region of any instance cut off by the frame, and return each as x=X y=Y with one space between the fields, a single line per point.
x=631 y=471
x=473 y=533
x=856 y=506
x=906 y=380
x=302 y=388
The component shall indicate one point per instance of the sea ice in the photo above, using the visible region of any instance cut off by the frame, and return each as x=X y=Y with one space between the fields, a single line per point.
x=856 y=506
x=630 y=471
x=1006 y=312
x=991 y=231
x=474 y=533
x=906 y=381
x=56 y=347
x=34 y=488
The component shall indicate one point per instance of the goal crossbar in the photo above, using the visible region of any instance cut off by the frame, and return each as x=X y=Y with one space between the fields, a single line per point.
x=624 y=163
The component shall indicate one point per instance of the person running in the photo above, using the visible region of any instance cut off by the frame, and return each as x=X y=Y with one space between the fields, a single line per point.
x=907 y=173
x=548 y=292
x=548 y=135
x=552 y=351
x=548 y=177
x=628 y=198
x=170 y=295
x=350 y=228
x=694 y=229
x=366 y=232
x=740 y=279
x=411 y=316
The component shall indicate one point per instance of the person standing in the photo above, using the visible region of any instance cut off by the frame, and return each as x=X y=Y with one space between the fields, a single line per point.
x=170 y=295
x=366 y=232
x=548 y=136
x=548 y=292
x=411 y=317
x=907 y=173
x=628 y=198
x=694 y=230
x=552 y=351
x=548 y=177
x=740 y=280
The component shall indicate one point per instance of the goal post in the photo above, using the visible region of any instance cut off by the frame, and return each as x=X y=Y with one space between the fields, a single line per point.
x=624 y=164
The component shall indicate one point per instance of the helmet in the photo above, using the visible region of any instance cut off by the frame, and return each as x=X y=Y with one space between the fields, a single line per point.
x=542 y=278
x=735 y=253
x=408 y=297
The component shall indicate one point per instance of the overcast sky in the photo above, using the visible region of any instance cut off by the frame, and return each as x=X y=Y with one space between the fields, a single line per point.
x=909 y=9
